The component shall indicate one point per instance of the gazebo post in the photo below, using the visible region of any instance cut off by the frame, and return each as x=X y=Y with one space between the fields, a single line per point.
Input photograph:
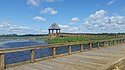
x=52 y=31
x=56 y=31
x=59 y=30
x=49 y=31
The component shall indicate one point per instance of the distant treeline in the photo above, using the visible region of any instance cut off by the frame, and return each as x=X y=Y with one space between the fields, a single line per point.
x=6 y=35
x=23 y=35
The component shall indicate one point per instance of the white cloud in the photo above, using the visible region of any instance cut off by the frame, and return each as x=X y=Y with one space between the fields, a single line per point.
x=33 y=3
x=49 y=11
x=36 y=3
x=39 y=18
x=75 y=20
x=69 y=29
x=111 y=2
x=6 y=27
x=98 y=22
x=64 y=26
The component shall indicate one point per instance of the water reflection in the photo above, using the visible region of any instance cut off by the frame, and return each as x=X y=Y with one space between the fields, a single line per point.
x=21 y=43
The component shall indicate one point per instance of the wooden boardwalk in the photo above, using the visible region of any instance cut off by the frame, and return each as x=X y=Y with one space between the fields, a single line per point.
x=91 y=60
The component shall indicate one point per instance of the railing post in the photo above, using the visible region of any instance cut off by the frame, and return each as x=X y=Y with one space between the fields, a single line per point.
x=98 y=45
x=109 y=43
x=121 y=41
x=32 y=55
x=90 y=46
x=113 y=42
x=106 y=43
x=54 y=52
x=81 y=47
x=70 y=49
x=2 y=64
x=103 y=43
x=117 y=42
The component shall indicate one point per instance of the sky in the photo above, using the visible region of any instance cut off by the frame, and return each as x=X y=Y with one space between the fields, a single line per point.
x=72 y=16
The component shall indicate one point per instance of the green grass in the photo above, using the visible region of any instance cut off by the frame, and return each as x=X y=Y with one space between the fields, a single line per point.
x=58 y=39
x=75 y=39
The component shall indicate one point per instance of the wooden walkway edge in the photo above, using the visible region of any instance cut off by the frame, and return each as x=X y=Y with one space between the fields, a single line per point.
x=108 y=58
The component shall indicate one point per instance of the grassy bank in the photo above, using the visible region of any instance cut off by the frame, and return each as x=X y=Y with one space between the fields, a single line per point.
x=75 y=39
x=58 y=39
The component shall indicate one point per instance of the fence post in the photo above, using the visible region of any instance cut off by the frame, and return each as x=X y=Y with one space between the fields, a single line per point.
x=117 y=42
x=2 y=64
x=123 y=40
x=81 y=47
x=32 y=55
x=90 y=46
x=70 y=49
x=106 y=43
x=109 y=43
x=54 y=52
x=103 y=43
x=98 y=45
x=113 y=42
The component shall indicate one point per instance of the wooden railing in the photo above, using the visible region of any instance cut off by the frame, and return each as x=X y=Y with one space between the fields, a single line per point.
x=54 y=46
x=89 y=35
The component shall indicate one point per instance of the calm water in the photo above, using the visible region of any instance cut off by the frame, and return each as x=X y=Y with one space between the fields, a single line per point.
x=25 y=55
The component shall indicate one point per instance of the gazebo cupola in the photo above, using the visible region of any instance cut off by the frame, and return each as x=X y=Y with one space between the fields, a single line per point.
x=54 y=29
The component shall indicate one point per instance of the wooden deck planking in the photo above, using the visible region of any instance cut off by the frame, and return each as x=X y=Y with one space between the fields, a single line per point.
x=80 y=63
x=63 y=65
x=91 y=60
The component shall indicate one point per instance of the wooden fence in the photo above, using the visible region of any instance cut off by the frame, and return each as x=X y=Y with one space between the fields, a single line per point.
x=54 y=46
x=84 y=35
x=89 y=35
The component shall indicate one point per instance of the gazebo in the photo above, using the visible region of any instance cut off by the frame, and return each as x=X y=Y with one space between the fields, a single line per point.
x=54 y=27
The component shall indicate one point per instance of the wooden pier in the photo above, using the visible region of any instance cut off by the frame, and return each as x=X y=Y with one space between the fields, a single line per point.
x=102 y=59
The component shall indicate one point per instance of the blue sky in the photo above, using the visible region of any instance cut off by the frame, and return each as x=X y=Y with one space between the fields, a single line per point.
x=85 y=16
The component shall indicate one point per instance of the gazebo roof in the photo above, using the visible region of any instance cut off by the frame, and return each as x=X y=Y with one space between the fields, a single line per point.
x=54 y=26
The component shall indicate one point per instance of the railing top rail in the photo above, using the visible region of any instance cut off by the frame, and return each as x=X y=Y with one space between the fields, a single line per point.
x=8 y=50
